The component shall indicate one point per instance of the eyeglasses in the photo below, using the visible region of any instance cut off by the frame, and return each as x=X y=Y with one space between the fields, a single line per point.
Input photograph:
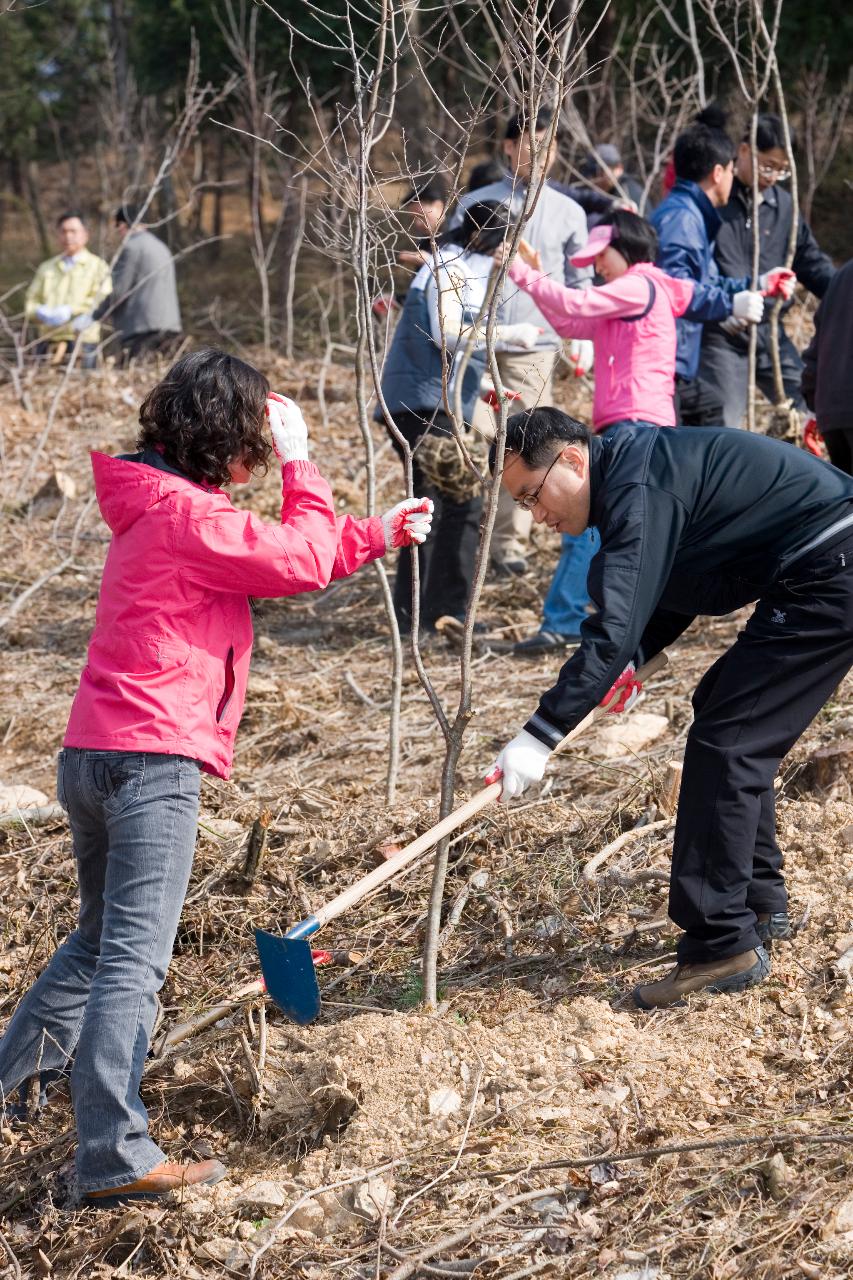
x=528 y=500
x=773 y=171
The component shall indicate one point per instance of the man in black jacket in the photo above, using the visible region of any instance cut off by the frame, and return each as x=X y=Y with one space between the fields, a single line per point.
x=699 y=522
x=828 y=369
x=724 y=358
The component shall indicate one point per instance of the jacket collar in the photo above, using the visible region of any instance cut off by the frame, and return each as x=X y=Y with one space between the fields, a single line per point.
x=743 y=193
x=694 y=192
x=599 y=452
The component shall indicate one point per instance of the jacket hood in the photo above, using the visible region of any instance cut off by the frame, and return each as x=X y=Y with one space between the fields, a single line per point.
x=679 y=292
x=126 y=489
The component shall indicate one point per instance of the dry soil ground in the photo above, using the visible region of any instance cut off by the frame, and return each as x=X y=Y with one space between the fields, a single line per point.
x=384 y=1141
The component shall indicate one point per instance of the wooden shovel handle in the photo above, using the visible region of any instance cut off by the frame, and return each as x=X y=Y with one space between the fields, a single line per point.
x=454 y=820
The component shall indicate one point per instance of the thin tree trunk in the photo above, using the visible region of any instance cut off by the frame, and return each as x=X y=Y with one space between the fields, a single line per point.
x=30 y=170
x=756 y=248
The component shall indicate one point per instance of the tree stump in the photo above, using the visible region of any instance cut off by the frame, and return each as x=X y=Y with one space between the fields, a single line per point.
x=826 y=768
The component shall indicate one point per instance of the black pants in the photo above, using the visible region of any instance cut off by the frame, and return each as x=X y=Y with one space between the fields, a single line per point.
x=446 y=559
x=697 y=403
x=750 y=708
x=725 y=366
x=839 y=446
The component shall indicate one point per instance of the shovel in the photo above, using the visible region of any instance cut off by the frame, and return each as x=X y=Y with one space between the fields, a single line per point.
x=287 y=963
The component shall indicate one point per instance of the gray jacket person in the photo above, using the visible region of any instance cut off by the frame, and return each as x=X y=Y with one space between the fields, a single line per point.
x=143 y=307
x=557 y=228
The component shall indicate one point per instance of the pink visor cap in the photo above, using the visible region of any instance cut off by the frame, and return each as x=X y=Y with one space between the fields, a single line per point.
x=599 y=239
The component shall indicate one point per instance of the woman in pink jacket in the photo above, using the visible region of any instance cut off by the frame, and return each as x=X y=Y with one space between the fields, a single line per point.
x=159 y=702
x=630 y=317
x=631 y=321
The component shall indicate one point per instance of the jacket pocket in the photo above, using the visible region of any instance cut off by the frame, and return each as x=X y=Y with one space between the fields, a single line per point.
x=126 y=653
x=228 y=687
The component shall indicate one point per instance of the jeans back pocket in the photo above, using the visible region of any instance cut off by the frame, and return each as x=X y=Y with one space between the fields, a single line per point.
x=117 y=778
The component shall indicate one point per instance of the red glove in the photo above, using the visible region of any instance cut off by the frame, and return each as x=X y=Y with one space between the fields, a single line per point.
x=812 y=438
x=492 y=400
x=630 y=687
x=778 y=283
x=385 y=302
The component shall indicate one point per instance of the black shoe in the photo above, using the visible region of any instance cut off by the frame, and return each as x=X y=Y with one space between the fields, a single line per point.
x=774 y=926
x=543 y=642
x=512 y=568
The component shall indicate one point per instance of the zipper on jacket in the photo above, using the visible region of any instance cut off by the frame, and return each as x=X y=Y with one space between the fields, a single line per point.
x=229 y=686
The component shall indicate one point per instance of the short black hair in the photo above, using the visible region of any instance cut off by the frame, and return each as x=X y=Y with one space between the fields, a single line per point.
x=127 y=213
x=435 y=188
x=70 y=213
x=532 y=434
x=770 y=133
x=703 y=145
x=519 y=122
x=483 y=227
x=634 y=237
x=484 y=174
x=208 y=411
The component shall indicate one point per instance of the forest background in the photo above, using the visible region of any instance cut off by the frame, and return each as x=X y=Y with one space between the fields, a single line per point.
x=94 y=94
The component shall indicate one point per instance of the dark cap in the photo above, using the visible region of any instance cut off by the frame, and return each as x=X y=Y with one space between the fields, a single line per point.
x=604 y=154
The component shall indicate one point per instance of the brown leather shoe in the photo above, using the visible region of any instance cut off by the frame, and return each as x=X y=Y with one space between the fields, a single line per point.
x=162 y=1180
x=735 y=973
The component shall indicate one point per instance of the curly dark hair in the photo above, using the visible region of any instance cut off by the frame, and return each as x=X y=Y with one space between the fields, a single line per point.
x=207 y=412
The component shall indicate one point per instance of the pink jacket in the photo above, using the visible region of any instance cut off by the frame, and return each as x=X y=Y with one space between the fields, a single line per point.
x=632 y=326
x=168 y=660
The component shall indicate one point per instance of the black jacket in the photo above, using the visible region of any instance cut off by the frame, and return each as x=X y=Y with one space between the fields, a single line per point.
x=692 y=521
x=733 y=249
x=828 y=359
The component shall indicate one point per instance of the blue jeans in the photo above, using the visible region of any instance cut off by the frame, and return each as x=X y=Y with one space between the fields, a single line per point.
x=565 y=604
x=133 y=822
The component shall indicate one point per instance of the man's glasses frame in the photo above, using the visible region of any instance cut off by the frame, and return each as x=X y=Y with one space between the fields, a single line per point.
x=773 y=171
x=528 y=501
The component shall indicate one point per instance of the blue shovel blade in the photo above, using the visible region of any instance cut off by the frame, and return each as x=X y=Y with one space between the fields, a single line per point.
x=288 y=969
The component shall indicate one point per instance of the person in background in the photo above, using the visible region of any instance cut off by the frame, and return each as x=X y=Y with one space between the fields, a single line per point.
x=631 y=319
x=724 y=360
x=827 y=383
x=687 y=223
x=158 y=703
x=143 y=307
x=424 y=208
x=557 y=228
x=65 y=290
x=604 y=168
x=608 y=186
x=442 y=305
x=484 y=174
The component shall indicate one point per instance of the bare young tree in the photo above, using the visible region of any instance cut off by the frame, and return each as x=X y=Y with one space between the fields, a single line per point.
x=748 y=37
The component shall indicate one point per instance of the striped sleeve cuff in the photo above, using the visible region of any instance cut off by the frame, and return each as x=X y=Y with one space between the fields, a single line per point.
x=544 y=730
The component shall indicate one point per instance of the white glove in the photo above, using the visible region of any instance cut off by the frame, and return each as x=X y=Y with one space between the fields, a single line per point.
x=581 y=354
x=748 y=305
x=53 y=316
x=733 y=327
x=81 y=322
x=524 y=335
x=289 y=429
x=521 y=762
x=408 y=522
